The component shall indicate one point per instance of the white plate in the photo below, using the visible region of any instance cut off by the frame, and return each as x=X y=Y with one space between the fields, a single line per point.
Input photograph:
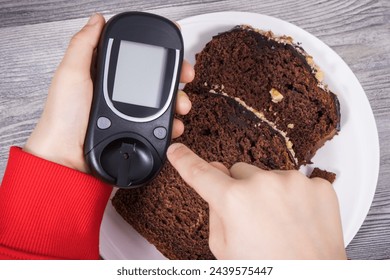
x=353 y=155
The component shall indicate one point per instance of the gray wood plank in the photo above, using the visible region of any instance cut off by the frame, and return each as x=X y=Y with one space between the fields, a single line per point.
x=15 y=13
x=34 y=35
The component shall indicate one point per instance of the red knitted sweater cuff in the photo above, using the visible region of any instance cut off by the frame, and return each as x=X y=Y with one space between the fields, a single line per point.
x=49 y=211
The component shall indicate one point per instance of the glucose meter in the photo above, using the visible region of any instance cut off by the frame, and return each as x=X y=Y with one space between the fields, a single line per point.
x=130 y=125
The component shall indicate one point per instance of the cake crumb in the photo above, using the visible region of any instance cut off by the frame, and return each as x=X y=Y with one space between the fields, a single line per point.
x=276 y=95
x=289 y=144
x=324 y=174
x=319 y=75
x=290 y=125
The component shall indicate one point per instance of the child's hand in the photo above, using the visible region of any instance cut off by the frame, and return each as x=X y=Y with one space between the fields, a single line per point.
x=257 y=214
x=60 y=132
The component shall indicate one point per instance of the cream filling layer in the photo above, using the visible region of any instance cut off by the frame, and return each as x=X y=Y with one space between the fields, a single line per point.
x=260 y=115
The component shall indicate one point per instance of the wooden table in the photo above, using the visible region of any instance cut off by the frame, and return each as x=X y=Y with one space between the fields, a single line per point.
x=34 y=35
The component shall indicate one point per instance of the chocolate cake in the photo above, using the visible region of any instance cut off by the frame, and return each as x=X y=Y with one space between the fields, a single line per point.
x=275 y=77
x=256 y=98
x=324 y=174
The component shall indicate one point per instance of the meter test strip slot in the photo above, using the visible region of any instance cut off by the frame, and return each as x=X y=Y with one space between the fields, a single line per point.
x=138 y=70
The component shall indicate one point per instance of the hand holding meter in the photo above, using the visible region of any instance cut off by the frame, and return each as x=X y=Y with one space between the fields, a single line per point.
x=138 y=70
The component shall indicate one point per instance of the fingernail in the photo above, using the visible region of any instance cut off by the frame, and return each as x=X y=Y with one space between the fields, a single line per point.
x=93 y=19
x=184 y=99
x=172 y=148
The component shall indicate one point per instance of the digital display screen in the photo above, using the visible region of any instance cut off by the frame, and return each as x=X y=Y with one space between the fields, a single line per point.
x=140 y=73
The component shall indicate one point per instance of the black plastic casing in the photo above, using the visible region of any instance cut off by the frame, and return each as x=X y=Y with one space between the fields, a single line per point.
x=104 y=149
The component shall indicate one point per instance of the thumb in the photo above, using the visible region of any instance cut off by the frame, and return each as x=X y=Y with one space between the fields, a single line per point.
x=208 y=181
x=78 y=57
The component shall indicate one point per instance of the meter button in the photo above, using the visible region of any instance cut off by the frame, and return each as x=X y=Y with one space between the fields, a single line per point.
x=103 y=123
x=160 y=132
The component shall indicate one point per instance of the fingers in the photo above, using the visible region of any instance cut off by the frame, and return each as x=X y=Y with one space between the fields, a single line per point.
x=183 y=103
x=221 y=167
x=183 y=106
x=177 y=24
x=187 y=72
x=243 y=170
x=178 y=128
x=78 y=57
x=209 y=182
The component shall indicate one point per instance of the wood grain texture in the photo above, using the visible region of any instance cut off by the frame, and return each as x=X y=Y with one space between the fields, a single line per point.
x=34 y=35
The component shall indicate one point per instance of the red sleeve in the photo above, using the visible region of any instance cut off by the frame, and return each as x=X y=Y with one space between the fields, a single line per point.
x=49 y=211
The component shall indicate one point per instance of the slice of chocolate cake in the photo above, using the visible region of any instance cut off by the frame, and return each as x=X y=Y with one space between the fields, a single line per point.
x=276 y=78
x=170 y=214
x=256 y=98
